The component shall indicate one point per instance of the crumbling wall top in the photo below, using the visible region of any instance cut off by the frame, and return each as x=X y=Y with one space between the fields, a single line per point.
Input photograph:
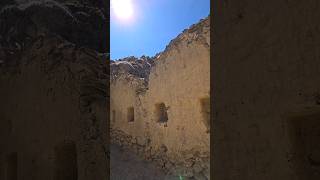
x=133 y=68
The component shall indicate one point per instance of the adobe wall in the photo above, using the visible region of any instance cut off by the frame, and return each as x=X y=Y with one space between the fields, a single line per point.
x=123 y=96
x=266 y=90
x=53 y=81
x=179 y=78
x=53 y=114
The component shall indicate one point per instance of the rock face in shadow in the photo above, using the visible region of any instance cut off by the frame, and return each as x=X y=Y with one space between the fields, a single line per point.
x=160 y=107
x=53 y=120
x=82 y=23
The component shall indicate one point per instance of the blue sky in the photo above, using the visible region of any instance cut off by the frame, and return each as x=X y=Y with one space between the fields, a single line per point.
x=153 y=25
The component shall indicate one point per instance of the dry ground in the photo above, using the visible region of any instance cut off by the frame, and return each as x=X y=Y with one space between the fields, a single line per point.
x=125 y=165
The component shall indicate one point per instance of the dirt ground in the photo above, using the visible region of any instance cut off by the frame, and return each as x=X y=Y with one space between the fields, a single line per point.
x=125 y=165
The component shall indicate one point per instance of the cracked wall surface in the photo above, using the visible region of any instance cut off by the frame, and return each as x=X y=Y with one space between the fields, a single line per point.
x=177 y=78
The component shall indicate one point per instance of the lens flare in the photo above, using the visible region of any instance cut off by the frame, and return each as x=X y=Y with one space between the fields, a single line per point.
x=123 y=9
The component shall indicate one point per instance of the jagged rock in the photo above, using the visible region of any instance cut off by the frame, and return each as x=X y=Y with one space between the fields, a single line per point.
x=83 y=24
x=131 y=66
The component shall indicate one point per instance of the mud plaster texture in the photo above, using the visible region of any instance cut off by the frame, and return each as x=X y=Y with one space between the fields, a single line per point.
x=266 y=90
x=169 y=125
x=53 y=92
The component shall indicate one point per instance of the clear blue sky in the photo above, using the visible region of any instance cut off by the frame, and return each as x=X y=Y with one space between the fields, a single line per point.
x=154 y=24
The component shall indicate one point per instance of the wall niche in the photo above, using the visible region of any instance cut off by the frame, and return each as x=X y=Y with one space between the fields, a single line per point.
x=161 y=114
x=205 y=112
x=130 y=114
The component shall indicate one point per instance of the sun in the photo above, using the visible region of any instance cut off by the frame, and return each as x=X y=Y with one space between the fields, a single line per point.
x=123 y=9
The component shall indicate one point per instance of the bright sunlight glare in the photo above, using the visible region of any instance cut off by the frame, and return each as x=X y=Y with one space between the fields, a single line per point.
x=123 y=9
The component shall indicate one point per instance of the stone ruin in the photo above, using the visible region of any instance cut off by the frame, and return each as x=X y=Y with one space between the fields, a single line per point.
x=160 y=106
x=53 y=82
x=53 y=86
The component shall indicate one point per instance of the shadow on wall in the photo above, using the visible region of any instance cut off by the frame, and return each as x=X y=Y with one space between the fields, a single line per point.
x=66 y=161
x=205 y=111
x=11 y=166
x=130 y=114
x=161 y=114
x=304 y=136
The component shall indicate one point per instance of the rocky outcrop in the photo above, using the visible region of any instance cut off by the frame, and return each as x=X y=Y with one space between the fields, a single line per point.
x=131 y=66
x=132 y=70
x=83 y=24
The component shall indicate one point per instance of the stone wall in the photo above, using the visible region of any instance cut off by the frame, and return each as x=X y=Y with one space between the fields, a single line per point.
x=171 y=105
x=53 y=120
x=54 y=96
x=266 y=90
